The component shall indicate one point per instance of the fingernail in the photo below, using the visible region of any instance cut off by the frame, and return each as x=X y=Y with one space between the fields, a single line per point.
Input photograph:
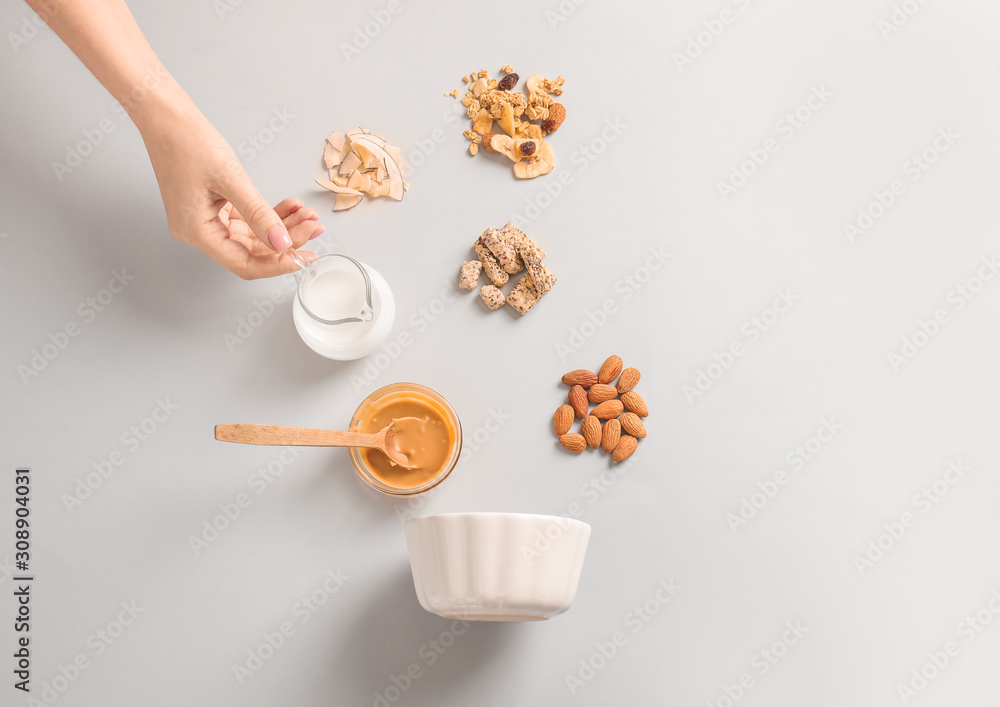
x=318 y=233
x=278 y=238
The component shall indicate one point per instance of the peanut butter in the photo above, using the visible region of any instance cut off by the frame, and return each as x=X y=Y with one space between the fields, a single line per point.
x=425 y=433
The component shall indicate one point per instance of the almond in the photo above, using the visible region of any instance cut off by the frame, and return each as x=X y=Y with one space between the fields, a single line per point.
x=601 y=392
x=580 y=377
x=610 y=369
x=592 y=431
x=612 y=433
x=573 y=441
x=578 y=399
x=608 y=410
x=630 y=378
x=632 y=424
x=563 y=419
x=623 y=450
x=557 y=114
x=633 y=402
x=487 y=141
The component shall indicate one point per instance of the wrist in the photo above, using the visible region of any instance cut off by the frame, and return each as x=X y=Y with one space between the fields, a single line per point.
x=157 y=101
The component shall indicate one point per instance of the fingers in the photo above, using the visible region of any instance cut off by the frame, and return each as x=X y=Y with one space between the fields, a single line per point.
x=235 y=257
x=273 y=264
x=287 y=207
x=263 y=220
x=299 y=215
x=303 y=225
x=300 y=221
x=304 y=232
x=226 y=214
x=286 y=225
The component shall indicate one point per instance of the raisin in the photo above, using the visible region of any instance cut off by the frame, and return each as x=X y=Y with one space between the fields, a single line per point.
x=508 y=82
x=528 y=148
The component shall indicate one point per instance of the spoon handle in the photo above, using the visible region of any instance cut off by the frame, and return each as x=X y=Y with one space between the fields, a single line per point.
x=294 y=436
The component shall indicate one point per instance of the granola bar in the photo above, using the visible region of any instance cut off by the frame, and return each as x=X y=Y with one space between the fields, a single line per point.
x=505 y=253
x=469 y=276
x=541 y=277
x=524 y=296
x=516 y=237
x=490 y=264
x=492 y=296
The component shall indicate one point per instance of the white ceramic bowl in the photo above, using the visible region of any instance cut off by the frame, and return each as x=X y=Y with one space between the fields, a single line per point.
x=496 y=566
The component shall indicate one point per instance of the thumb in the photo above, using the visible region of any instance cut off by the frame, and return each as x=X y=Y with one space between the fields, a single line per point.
x=258 y=214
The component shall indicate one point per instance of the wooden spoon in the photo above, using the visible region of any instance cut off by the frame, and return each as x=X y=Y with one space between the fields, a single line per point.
x=383 y=440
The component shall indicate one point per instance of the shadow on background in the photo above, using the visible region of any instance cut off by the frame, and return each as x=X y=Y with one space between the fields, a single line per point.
x=394 y=633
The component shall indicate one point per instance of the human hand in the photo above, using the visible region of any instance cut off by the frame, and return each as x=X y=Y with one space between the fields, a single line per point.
x=212 y=204
x=197 y=170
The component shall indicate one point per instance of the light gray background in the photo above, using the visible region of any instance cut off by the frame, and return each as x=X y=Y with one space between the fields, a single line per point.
x=665 y=518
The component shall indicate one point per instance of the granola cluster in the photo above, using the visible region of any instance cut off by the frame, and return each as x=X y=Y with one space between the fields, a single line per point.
x=521 y=120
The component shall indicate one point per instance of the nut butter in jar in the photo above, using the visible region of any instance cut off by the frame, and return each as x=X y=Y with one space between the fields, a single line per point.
x=428 y=431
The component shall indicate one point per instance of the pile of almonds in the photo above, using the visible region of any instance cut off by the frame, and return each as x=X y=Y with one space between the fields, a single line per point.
x=615 y=424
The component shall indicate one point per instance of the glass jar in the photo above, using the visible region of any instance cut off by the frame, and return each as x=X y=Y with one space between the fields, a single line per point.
x=373 y=414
